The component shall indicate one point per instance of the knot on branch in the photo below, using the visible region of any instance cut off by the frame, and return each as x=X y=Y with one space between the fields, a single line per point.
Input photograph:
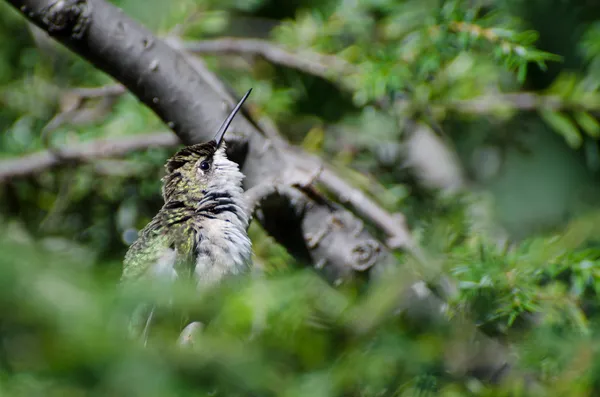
x=365 y=255
x=68 y=17
x=365 y=251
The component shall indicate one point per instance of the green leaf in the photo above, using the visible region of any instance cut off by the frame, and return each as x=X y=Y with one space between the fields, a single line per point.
x=565 y=127
x=564 y=85
x=588 y=123
x=522 y=72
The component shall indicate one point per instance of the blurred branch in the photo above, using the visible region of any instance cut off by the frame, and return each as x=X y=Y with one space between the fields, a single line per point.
x=97 y=92
x=40 y=161
x=74 y=112
x=524 y=101
x=325 y=66
x=73 y=109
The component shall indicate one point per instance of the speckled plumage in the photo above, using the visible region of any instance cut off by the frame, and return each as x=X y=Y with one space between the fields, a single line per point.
x=202 y=223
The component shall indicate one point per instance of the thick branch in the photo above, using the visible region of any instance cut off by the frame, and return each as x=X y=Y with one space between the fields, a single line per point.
x=117 y=45
x=42 y=160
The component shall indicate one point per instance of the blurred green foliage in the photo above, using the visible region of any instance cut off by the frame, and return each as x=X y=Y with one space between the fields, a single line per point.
x=519 y=239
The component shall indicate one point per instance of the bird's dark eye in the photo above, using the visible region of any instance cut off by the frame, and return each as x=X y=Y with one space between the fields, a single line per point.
x=204 y=166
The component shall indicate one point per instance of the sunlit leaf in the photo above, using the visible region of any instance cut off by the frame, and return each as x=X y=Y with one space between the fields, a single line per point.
x=588 y=123
x=563 y=126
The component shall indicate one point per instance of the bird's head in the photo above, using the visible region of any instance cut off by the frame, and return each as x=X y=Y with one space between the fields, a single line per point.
x=197 y=169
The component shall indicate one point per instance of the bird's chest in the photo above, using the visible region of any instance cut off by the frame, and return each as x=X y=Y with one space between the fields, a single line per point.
x=221 y=248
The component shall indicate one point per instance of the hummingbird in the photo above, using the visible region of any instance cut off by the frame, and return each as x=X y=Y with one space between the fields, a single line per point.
x=201 y=229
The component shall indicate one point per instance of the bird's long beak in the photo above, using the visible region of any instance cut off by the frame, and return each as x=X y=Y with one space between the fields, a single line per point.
x=223 y=129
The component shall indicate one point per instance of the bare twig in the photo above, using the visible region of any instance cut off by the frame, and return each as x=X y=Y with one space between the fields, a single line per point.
x=40 y=161
x=77 y=114
x=325 y=66
x=97 y=92
x=524 y=101
x=73 y=110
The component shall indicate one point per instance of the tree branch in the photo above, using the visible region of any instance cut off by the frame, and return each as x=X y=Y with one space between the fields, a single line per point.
x=45 y=159
x=524 y=101
x=98 y=92
x=325 y=66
